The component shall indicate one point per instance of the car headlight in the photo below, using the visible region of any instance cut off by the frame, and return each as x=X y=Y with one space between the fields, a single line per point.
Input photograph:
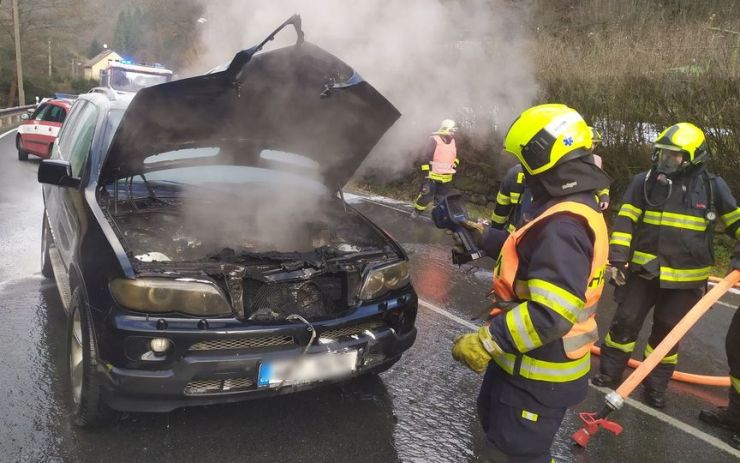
x=380 y=280
x=161 y=295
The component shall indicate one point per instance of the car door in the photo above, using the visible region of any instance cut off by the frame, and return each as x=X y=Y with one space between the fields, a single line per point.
x=74 y=147
x=52 y=196
x=29 y=131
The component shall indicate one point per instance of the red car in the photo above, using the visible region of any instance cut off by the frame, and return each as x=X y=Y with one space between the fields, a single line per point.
x=39 y=131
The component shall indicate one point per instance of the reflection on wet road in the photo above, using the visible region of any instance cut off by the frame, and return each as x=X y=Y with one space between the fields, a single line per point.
x=422 y=410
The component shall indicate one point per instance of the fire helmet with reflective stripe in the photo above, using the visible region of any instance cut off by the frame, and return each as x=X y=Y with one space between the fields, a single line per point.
x=686 y=138
x=547 y=135
x=447 y=127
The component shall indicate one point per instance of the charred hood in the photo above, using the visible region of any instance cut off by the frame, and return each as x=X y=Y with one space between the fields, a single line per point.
x=300 y=99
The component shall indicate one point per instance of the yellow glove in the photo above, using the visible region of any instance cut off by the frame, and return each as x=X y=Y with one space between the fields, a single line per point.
x=475 y=350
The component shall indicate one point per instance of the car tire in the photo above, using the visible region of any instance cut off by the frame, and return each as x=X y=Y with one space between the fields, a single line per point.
x=85 y=389
x=22 y=155
x=46 y=269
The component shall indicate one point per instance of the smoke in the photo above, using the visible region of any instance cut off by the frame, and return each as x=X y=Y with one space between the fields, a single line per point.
x=469 y=59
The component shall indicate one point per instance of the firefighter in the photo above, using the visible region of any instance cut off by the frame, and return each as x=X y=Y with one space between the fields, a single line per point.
x=513 y=201
x=548 y=277
x=661 y=251
x=729 y=416
x=603 y=195
x=441 y=152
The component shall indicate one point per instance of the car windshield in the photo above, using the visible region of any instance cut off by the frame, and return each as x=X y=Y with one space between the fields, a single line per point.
x=133 y=81
x=224 y=168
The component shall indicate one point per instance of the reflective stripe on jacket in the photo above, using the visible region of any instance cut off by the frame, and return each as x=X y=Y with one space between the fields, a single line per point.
x=507 y=213
x=578 y=341
x=673 y=238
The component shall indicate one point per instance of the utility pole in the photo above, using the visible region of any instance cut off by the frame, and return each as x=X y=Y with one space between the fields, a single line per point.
x=49 y=59
x=18 y=59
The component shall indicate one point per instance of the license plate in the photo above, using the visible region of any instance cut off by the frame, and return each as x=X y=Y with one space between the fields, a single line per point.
x=307 y=369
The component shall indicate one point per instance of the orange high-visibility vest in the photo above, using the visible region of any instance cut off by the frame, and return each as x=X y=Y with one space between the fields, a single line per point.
x=443 y=161
x=578 y=341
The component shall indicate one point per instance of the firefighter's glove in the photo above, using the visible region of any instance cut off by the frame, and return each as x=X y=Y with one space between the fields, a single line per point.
x=475 y=350
x=477 y=231
x=736 y=258
x=618 y=273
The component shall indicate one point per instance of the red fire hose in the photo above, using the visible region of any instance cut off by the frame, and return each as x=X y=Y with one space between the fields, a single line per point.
x=615 y=399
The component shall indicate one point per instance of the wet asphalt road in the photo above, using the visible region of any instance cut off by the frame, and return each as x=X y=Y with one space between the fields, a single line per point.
x=421 y=410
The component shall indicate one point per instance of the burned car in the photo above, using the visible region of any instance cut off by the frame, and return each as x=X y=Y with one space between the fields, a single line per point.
x=201 y=245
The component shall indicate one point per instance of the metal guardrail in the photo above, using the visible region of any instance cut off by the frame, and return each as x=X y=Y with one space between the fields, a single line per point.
x=12 y=116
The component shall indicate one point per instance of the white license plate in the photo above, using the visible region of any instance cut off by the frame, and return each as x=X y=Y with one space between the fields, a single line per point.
x=307 y=369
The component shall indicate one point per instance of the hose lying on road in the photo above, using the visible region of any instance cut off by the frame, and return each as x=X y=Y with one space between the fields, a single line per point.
x=721 y=381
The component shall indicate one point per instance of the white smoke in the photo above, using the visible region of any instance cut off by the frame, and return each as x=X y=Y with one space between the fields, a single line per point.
x=433 y=59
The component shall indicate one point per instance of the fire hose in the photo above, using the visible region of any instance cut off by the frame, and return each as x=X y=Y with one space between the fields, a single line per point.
x=691 y=378
x=615 y=399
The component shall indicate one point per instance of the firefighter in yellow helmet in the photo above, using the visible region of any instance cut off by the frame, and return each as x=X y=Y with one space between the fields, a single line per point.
x=440 y=156
x=514 y=200
x=661 y=251
x=547 y=280
x=603 y=195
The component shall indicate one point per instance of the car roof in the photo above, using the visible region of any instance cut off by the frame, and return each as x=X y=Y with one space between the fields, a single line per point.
x=107 y=101
x=63 y=102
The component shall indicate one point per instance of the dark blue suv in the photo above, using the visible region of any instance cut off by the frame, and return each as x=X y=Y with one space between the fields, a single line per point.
x=201 y=244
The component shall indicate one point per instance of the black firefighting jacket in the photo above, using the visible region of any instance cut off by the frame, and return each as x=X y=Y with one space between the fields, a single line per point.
x=670 y=237
x=557 y=253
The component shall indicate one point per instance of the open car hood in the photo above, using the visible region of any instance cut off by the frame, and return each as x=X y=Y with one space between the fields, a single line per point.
x=298 y=99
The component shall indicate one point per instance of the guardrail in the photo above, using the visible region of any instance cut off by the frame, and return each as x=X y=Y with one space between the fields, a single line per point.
x=12 y=116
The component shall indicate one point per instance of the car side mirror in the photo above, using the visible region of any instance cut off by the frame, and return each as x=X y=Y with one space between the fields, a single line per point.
x=25 y=116
x=57 y=172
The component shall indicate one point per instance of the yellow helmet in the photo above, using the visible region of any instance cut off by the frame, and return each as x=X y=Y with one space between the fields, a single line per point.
x=686 y=138
x=447 y=127
x=546 y=135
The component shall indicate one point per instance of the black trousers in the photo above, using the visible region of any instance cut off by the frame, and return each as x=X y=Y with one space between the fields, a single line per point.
x=732 y=347
x=430 y=189
x=518 y=428
x=635 y=299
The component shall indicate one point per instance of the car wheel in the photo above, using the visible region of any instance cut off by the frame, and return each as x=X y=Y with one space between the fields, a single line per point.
x=46 y=268
x=89 y=408
x=22 y=155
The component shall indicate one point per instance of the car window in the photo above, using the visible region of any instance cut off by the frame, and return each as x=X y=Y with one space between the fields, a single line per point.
x=80 y=138
x=55 y=114
x=64 y=140
x=39 y=113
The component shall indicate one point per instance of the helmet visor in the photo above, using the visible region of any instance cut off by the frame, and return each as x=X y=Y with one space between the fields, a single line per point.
x=669 y=161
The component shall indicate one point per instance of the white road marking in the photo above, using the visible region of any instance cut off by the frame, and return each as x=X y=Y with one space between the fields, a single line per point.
x=8 y=132
x=732 y=290
x=708 y=438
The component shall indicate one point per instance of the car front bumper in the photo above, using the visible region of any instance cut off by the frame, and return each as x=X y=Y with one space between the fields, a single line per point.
x=190 y=377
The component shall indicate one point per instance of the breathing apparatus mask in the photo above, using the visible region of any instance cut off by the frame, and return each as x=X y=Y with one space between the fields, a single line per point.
x=667 y=163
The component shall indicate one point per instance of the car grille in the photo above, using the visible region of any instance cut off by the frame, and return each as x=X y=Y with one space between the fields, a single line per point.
x=338 y=333
x=255 y=342
x=318 y=297
x=214 y=386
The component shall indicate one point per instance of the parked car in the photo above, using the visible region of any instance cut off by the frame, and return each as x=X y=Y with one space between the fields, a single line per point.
x=201 y=244
x=36 y=135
